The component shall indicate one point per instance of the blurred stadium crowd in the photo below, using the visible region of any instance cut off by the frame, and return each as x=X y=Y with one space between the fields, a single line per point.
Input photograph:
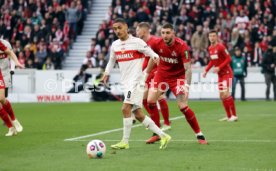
x=247 y=24
x=41 y=31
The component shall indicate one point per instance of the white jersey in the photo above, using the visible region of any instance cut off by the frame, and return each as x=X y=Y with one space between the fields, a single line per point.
x=5 y=63
x=130 y=55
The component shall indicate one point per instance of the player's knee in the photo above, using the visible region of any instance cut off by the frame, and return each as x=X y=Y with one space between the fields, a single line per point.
x=224 y=95
x=126 y=110
x=182 y=105
x=2 y=99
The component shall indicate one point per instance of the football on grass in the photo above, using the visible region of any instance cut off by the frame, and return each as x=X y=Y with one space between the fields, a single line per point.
x=96 y=149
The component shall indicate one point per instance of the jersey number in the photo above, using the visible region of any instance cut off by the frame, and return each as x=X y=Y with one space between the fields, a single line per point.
x=128 y=94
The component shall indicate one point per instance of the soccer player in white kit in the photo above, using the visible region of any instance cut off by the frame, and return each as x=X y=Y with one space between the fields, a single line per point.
x=129 y=51
x=6 y=111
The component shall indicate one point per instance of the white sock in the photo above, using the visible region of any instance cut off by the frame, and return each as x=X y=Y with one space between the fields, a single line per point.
x=152 y=126
x=127 y=129
x=200 y=133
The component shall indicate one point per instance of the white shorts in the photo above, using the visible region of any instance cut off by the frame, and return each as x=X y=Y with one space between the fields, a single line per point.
x=134 y=96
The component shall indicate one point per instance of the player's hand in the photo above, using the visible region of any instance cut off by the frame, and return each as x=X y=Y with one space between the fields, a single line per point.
x=204 y=74
x=19 y=65
x=216 y=69
x=156 y=60
x=186 y=89
x=105 y=78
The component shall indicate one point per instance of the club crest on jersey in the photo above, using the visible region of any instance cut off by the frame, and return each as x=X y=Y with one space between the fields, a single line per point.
x=173 y=53
x=123 y=50
x=160 y=50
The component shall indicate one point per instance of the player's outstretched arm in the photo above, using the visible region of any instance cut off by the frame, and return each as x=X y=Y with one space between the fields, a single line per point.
x=12 y=55
x=109 y=65
x=209 y=66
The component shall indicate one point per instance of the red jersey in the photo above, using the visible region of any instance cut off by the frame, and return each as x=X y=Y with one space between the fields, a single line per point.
x=3 y=47
x=171 y=58
x=150 y=43
x=219 y=58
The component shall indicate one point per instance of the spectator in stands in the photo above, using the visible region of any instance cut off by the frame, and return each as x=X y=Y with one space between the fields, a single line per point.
x=79 y=80
x=101 y=60
x=268 y=69
x=30 y=64
x=257 y=55
x=48 y=65
x=41 y=55
x=72 y=17
x=239 y=66
x=89 y=60
x=199 y=42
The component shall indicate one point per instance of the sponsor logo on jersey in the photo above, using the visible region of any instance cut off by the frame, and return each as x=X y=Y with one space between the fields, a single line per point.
x=215 y=56
x=128 y=55
x=124 y=56
x=169 y=60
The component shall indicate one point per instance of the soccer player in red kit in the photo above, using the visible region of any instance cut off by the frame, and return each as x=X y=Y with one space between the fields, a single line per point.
x=221 y=59
x=6 y=111
x=143 y=32
x=174 y=71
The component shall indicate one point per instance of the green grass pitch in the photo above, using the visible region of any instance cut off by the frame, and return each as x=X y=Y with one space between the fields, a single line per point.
x=247 y=145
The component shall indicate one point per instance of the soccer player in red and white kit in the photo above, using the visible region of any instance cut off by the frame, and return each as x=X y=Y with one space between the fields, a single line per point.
x=129 y=52
x=174 y=71
x=6 y=111
x=143 y=32
x=221 y=59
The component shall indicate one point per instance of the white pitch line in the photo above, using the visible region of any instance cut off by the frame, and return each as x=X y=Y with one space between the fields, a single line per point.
x=110 y=131
x=232 y=141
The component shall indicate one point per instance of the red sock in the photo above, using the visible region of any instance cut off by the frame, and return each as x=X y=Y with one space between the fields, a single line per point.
x=5 y=117
x=164 y=110
x=154 y=114
x=232 y=105
x=7 y=106
x=191 y=119
x=226 y=104
x=146 y=105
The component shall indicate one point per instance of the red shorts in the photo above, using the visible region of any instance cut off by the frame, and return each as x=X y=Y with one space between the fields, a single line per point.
x=2 y=82
x=225 y=82
x=176 y=85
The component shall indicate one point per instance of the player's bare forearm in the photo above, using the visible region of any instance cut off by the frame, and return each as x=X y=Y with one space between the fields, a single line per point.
x=12 y=55
x=188 y=72
x=150 y=66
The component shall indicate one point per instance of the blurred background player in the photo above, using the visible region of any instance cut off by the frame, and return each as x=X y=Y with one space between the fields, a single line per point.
x=175 y=71
x=143 y=32
x=239 y=66
x=221 y=60
x=129 y=51
x=6 y=111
